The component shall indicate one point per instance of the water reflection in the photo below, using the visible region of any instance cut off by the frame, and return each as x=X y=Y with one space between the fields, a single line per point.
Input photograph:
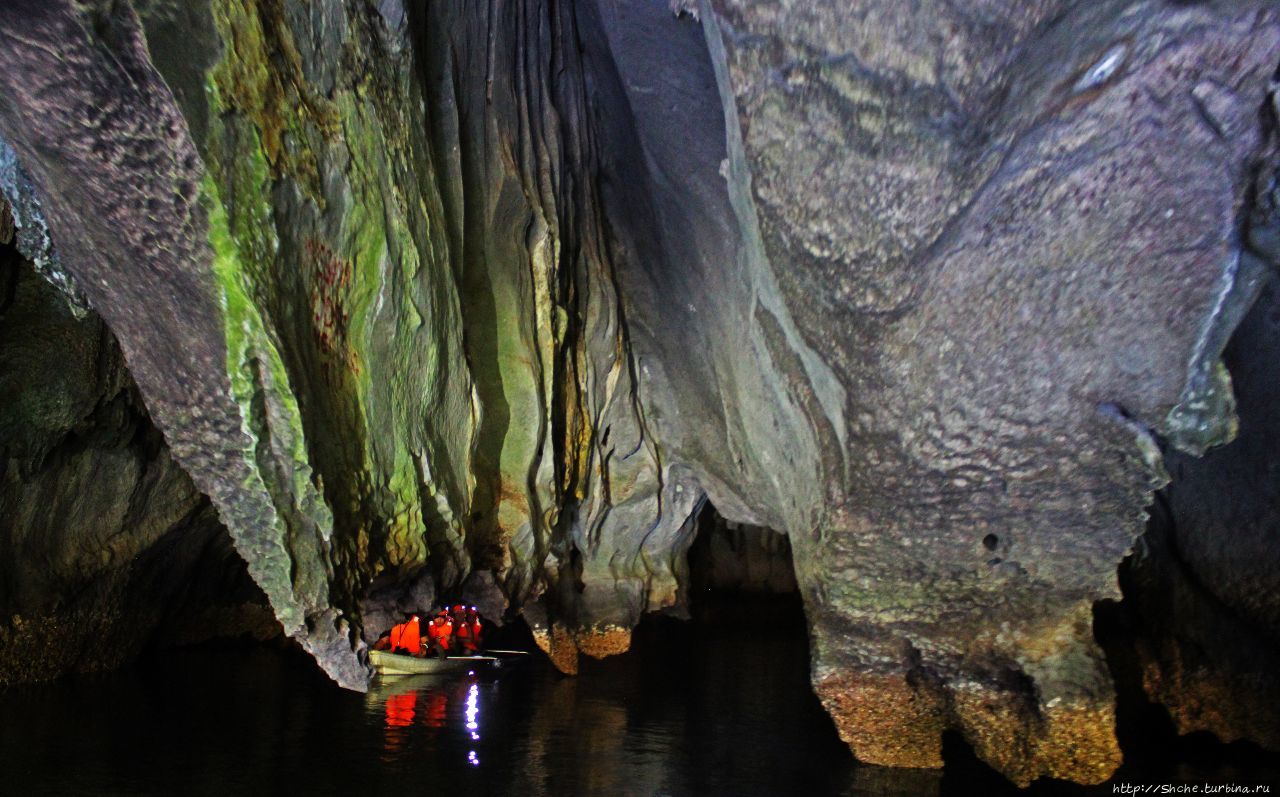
x=711 y=713
x=671 y=722
x=414 y=704
x=437 y=711
x=569 y=724
x=473 y=711
x=473 y=721
x=399 y=710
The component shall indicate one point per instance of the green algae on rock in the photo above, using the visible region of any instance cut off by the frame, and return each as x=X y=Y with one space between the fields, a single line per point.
x=489 y=300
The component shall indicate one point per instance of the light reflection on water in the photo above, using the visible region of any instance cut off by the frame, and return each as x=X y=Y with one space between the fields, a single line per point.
x=473 y=710
x=637 y=727
x=401 y=697
x=742 y=722
x=473 y=721
x=718 y=714
x=427 y=701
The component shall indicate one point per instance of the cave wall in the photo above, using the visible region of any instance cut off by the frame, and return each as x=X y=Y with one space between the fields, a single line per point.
x=106 y=546
x=282 y=195
x=585 y=519
x=1202 y=586
x=487 y=299
x=1014 y=232
x=111 y=156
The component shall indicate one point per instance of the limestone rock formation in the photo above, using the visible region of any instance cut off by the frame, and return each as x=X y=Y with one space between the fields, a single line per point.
x=106 y=544
x=489 y=299
x=1015 y=233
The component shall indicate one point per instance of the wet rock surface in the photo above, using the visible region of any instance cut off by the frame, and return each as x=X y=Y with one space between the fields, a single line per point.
x=489 y=300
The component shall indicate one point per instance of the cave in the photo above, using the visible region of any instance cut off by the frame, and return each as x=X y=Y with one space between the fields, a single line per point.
x=733 y=560
x=941 y=336
x=109 y=549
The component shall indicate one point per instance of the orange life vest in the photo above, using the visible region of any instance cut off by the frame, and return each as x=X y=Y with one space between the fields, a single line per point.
x=469 y=635
x=440 y=632
x=407 y=636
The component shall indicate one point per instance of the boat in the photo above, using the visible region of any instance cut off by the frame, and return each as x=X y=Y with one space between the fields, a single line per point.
x=387 y=663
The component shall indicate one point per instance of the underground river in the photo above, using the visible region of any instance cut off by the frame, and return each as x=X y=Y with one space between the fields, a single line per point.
x=698 y=708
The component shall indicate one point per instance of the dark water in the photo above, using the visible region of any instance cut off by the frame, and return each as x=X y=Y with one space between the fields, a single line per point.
x=698 y=709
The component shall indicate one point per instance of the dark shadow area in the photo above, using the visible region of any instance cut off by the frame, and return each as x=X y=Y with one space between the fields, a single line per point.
x=733 y=559
x=1143 y=728
x=1194 y=646
x=107 y=549
x=727 y=697
x=512 y=635
x=1153 y=748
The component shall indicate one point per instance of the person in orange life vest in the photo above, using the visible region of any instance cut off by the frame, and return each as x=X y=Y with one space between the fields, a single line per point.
x=401 y=636
x=405 y=638
x=457 y=616
x=468 y=633
x=440 y=635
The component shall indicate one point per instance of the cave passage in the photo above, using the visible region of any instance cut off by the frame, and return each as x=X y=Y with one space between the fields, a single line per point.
x=315 y=312
x=732 y=559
